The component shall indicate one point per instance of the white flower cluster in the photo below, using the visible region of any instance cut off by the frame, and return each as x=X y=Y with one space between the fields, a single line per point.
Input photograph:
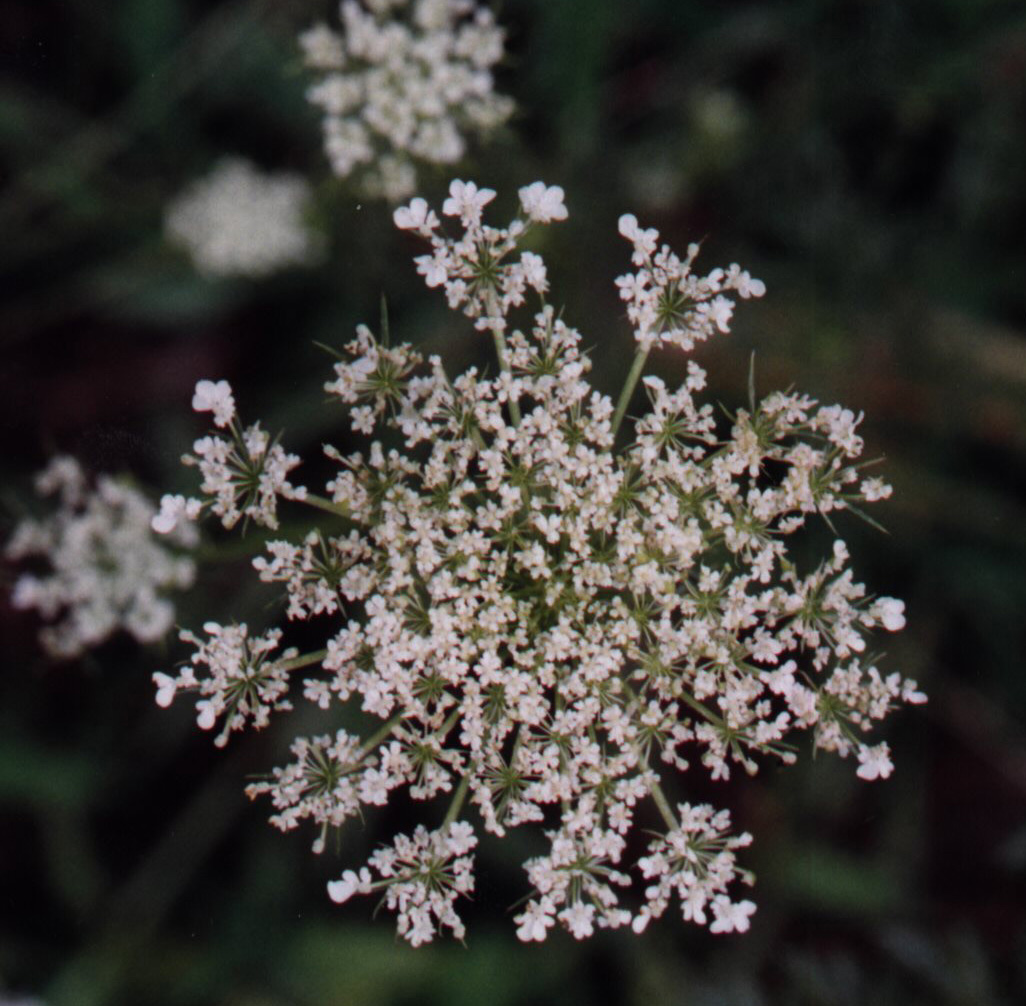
x=241 y=685
x=404 y=82
x=550 y=628
x=242 y=476
x=322 y=784
x=666 y=302
x=472 y=268
x=422 y=876
x=107 y=571
x=238 y=221
x=697 y=862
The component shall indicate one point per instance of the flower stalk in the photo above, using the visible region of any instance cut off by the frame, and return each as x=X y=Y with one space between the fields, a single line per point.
x=633 y=376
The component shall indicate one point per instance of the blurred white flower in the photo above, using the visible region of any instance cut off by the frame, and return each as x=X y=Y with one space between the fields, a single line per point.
x=107 y=571
x=239 y=221
x=543 y=203
x=405 y=82
x=874 y=762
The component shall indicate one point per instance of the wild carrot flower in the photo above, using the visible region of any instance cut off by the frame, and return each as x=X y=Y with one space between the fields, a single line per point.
x=403 y=83
x=239 y=221
x=244 y=471
x=102 y=568
x=546 y=612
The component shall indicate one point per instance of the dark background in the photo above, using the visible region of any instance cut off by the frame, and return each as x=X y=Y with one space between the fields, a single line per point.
x=866 y=158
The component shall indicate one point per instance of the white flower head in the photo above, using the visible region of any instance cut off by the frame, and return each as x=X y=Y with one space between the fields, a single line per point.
x=731 y=917
x=216 y=397
x=241 y=684
x=173 y=508
x=243 y=476
x=535 y=921
x=533 y=622
x=166 y=689
x=543 y=203
x=645 y=241
x=667 y=302
x=402 y=84
x=416 y=217
x=238 y=221
x=891 y=613
x=106 y=569
x=467 y=201
x=340 y=891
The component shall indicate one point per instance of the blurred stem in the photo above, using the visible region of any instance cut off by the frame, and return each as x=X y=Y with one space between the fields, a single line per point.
x=382 y=734
x=629 y=385
x=338 y=509
x=664 y=806
x=500 y=351
x=457 y=802
x=122 y=930
x=305 y=660
x=658 y=796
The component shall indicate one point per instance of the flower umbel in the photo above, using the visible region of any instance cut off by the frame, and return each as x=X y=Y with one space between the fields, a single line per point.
x=422 y=875
x=545 y=627
x=242 y=476
x=241 y=684
x=106 y=569
x=238 y=221
x=667 y=302
x=405 y=82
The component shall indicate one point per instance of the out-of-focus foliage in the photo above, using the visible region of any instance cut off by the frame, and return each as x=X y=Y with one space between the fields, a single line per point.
x=864 y=157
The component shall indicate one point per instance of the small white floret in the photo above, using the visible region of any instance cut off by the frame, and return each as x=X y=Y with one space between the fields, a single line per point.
x=731 y=917
x=216 y=397
x=640 y=922
x=467 y=201
x=340 y=891
x=891 y=613
x=207 y=717
x=172 y=510
x=543 y=203
x=874 y=762
x=166 y=689
x=534 y=923
x=416 y=216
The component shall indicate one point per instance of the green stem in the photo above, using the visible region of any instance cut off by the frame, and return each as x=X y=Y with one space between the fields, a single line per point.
x=628 y=389
x=376 y=738
x=475 y=433
x=702 y=709
x=443 y=730
x=664 y=806
x=339 y=509
x=658 y=796
x=500 y=351
x=305 y=660
x=457 y=802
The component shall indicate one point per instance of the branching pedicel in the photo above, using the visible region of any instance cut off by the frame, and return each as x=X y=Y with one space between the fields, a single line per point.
x=536 y=623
